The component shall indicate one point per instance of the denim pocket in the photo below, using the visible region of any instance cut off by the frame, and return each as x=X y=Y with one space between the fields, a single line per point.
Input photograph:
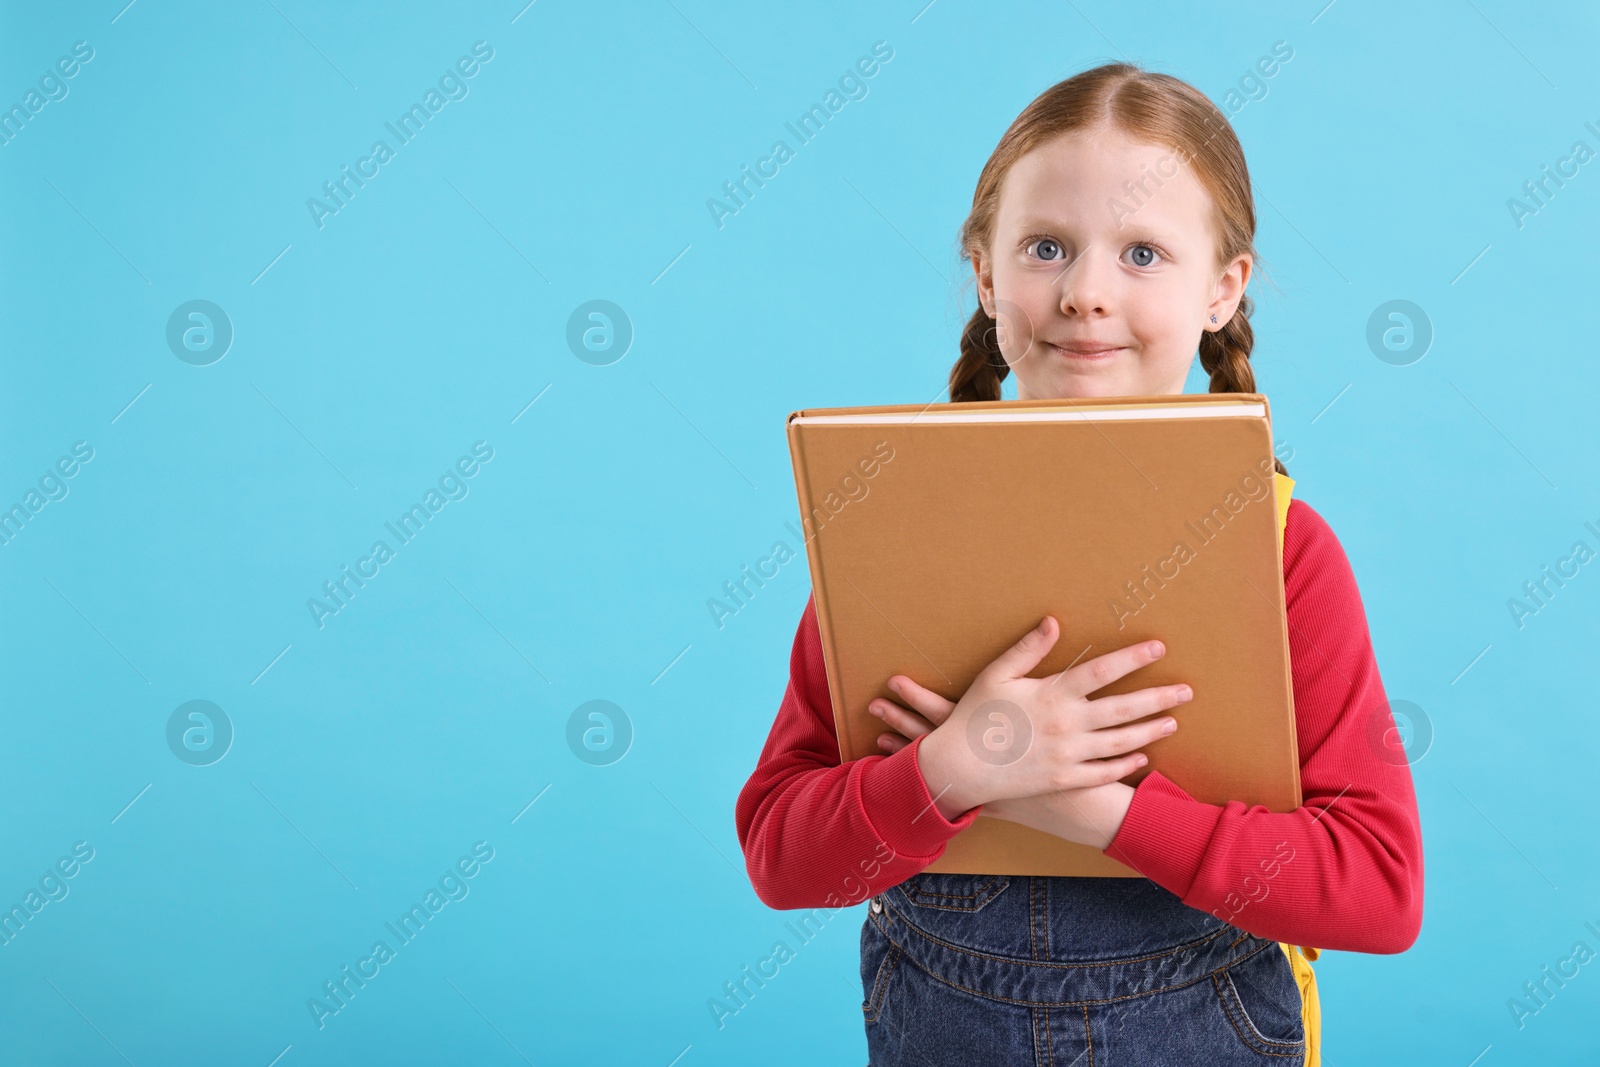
x=1262 y=1001
x=954 y=892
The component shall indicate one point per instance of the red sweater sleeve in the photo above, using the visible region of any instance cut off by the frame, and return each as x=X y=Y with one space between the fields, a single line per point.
x=1344 y=870
x=818 y=833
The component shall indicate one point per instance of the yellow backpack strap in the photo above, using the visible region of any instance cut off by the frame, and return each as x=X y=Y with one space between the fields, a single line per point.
x=1300 y=958
x=1282 y=486
x=1310 y=1009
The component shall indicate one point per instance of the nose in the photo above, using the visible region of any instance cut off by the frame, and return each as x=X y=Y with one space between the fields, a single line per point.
x=1085 y=284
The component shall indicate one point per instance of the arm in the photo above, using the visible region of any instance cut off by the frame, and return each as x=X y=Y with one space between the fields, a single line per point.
x=1344 y=870
x=818 y=833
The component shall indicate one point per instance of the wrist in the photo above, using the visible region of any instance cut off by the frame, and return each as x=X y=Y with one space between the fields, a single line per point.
x=935 y=766
x=1111 y=812
x=1090 y=816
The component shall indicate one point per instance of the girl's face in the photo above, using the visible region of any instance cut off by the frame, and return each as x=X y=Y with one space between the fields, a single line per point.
x=1105 y=243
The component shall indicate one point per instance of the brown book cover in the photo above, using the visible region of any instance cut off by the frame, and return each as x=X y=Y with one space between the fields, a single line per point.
x=937 y=535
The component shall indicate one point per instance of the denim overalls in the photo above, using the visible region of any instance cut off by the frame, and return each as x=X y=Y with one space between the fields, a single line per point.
x=979 y=969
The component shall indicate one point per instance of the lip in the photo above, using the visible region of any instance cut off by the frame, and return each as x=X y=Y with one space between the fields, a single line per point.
x=1085 y=350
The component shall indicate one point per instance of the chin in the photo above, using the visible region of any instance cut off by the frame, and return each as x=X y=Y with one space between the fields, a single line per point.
x=1073 y=386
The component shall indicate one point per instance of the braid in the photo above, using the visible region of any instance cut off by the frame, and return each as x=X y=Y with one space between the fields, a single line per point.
x=1225 y=356
x=980 y=370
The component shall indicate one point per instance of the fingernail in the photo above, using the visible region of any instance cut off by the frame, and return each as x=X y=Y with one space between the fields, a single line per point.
x=1157 y=648
x=1044 y=624
x=1184 y=692
x=1142 y=761
x=1171 y=725
x=876 y=710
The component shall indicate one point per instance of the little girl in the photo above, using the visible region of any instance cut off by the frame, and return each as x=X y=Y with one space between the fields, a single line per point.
x=1111 y=234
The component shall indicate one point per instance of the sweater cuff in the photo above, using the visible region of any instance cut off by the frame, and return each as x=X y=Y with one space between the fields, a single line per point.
x=900 y=809
x=1165 y=834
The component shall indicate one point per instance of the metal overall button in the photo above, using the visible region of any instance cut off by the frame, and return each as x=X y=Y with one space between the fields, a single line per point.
x=877 y=906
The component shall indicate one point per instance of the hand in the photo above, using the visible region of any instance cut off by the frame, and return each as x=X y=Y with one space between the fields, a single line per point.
x=1068 y=741
x=1088 y=816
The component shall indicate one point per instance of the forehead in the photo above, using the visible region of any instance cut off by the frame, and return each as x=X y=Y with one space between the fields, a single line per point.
x=1072 y=180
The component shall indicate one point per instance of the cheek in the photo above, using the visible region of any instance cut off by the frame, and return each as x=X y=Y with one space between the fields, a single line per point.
x=1167 y=342
x=1023 y=299
x=1166 y=316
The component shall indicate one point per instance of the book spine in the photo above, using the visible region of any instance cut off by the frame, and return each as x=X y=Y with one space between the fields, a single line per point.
x=802 y=484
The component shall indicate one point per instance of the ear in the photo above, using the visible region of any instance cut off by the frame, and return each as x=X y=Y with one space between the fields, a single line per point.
x=981 y=271
x=1228 y=291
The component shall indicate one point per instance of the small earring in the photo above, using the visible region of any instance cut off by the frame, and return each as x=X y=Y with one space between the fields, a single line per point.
x=1213 y=318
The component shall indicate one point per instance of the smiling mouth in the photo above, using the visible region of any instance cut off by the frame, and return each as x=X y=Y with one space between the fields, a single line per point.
x=1089 y=357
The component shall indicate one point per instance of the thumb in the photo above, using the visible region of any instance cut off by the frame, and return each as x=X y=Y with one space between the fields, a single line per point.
x=1025 y=655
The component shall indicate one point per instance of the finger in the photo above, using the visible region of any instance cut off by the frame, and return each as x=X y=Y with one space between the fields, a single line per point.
x=908 y=723
x=930 y=705
x=1096 y=674
x=1124 y=739
x=1107 y=771
x=892 y=743
x=1025 y=655
x=1126 y=707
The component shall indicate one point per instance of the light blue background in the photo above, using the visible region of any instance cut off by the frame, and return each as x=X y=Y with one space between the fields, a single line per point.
x=427 y=314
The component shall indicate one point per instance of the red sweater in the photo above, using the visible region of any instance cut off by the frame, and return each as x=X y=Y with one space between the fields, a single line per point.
x=1343 y=871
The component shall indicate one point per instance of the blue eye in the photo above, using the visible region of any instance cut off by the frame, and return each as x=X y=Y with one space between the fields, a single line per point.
x=1044 y=243
x=1049 y=250
x=1149 y=250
